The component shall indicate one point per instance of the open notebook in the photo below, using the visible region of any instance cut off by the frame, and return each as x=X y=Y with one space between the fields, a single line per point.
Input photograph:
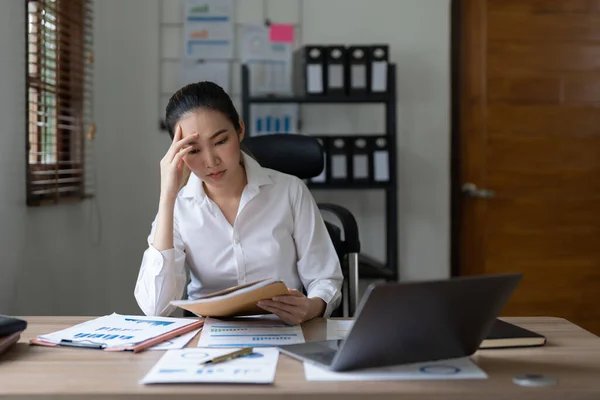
x=236 y=301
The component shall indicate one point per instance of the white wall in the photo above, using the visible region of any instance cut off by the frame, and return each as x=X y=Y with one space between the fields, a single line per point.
x=83 y=258
x=12 y=149
x=418 y=32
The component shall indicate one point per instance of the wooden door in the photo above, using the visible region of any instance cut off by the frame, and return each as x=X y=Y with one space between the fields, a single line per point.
x=528 y=137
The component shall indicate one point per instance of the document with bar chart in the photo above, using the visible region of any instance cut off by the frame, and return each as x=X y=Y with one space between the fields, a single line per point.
x=115 y=330
x=249 y=332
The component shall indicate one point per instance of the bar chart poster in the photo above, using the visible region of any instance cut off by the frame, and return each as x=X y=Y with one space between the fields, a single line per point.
x=208 y=29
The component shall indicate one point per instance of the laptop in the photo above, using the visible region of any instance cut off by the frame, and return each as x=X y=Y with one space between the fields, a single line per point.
x=408 y=322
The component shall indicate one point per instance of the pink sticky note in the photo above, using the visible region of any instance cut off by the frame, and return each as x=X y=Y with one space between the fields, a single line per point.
x=281 y=33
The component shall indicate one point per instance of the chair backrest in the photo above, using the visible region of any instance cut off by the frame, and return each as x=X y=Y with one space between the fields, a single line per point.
x=293 y=154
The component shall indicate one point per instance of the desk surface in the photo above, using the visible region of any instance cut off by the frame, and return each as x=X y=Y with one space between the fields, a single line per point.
x=572 y=355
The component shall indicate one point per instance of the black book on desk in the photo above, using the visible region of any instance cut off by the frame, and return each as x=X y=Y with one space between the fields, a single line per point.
x=10 y=331
x=10 y=325
x=506 y=335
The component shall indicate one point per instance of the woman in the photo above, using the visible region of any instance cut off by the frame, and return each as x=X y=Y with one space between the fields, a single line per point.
x=234 y=221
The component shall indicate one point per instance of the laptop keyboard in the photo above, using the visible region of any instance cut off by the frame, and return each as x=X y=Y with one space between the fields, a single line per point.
x=324 y=357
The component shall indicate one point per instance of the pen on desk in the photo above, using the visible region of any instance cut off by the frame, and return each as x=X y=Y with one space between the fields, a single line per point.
x=83 y=344
x=229 y=356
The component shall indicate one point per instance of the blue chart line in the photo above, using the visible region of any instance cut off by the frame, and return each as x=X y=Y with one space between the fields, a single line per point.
x=205 y=18
x=171 y=371
x=149 y=322
x=270 y=338
x=194 y=355
x=210 y=371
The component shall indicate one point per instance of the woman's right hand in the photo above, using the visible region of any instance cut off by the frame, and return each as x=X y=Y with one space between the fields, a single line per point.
x=171 y=165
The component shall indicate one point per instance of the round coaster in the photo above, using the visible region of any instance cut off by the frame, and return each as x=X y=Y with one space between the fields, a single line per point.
x=534 y=380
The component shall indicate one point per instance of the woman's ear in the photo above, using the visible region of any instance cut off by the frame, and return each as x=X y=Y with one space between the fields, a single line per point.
x=242 y=131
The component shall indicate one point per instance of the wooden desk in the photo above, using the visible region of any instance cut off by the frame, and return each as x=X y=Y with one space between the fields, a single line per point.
x=572 y=355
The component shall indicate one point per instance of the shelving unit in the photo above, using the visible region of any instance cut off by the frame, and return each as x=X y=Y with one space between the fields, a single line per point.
x=390 y=267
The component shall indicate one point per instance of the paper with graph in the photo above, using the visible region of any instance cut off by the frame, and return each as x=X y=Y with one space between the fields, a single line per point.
x=249 y=332
x=458 y=368
x=117 y=330
x=183 y=366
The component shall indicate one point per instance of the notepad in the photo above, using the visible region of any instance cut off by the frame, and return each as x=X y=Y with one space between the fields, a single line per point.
x=235 y=301
x=504 y=334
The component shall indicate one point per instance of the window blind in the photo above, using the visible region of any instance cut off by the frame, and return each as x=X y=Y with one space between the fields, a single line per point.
x=59 y=98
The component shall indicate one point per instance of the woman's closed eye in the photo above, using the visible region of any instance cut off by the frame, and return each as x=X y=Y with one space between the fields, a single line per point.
x=222 y=141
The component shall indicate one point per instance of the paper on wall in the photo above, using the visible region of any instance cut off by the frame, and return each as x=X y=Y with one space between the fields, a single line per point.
x=208 y=29
x=200 y=70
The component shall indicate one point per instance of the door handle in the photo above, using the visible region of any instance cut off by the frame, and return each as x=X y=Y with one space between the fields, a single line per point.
x=471 y=190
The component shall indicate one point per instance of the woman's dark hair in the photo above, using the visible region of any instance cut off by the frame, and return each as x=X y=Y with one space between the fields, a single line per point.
x=197 y=95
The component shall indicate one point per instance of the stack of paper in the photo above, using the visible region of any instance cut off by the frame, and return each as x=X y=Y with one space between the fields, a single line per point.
x=338 y=329
x=121 y=332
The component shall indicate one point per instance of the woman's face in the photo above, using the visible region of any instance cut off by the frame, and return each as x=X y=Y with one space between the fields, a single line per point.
x=215 y=155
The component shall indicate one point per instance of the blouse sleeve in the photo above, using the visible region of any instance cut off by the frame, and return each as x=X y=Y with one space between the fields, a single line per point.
x=162 y=276
x=318 y=263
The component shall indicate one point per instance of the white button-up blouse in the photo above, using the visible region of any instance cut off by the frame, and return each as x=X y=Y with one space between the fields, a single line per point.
x=278 y=233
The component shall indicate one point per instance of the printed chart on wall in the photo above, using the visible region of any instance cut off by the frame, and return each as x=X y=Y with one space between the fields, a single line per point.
x=268 y=59
x=201 y=70
x=208 y=29
x=268 y=55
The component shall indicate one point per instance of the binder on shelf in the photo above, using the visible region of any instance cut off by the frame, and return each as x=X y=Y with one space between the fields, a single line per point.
x=309 y=70
x=338 y=155
x=361 y=171
x=336 y=60
x=381 y=163
x=379 y=58
x=358 y=65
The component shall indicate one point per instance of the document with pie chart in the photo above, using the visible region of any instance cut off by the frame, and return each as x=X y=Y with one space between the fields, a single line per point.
x=184 y=366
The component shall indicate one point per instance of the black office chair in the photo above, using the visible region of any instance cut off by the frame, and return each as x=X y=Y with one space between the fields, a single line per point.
x=302 y=156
